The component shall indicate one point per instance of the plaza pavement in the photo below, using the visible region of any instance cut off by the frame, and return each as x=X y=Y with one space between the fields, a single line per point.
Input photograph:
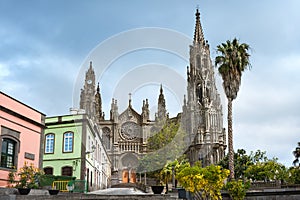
x=119 y=191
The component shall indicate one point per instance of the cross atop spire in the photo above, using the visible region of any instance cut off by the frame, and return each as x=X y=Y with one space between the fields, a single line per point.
x=98 y=88
x=130 y=99
x=198 y=35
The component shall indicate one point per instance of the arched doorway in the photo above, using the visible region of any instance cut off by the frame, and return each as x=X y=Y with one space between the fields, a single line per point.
x=129 y=163
x=125 y=176
x=128 y=176
x=132 y=176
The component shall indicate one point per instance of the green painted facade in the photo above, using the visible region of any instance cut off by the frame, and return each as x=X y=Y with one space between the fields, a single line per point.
x=58 y=126
x=88 y=159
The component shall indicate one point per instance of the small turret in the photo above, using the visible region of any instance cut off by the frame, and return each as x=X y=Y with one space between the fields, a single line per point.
x=145 y=111
x=161 y=106
x=98 y=100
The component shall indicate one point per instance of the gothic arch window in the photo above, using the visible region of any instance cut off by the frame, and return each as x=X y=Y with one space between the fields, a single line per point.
x=68 y=142
x=91 y=181
x=198 y=61
x=201 y=158
x=49 y=143
x=106 y=137
x=67 y=171
x=129 y=160
x=208 y=91
x=199 y=92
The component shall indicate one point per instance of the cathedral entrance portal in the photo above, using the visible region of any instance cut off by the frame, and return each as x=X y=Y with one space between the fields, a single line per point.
x=129 y=163
x=125 y=176
x=128 y=176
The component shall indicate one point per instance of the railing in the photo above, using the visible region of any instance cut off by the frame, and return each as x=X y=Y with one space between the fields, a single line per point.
x=70 y=186
x=129 y=146
x=79 y=186
x=60 y=185
x=262 y=184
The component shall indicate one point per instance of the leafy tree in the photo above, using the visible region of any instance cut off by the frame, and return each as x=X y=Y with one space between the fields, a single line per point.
x=232 y=62
x=175 y=166
x=294 y=175
x=258 y=156
x=266 y=171
x=296 y=153
x=164 y=136
x=256 y=166
x=237 y=189
x=203 y=183
x=165 y=146
x=241 y=162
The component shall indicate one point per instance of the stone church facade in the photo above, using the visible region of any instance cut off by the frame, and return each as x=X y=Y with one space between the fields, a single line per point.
x=202 y=116
x=125 y=133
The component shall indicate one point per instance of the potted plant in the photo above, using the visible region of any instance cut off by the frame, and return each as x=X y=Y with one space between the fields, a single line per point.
x=53 y=191
x=46 y=181
x=70 y=186
x=25 y=179
x=158 y=187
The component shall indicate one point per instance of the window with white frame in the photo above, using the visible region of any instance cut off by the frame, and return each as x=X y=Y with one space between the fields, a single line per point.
x=68 y=142
x=49 y=143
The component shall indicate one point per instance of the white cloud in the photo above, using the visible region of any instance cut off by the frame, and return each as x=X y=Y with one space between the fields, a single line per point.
x=41 y=58
x=4 y=71
x=266 y=112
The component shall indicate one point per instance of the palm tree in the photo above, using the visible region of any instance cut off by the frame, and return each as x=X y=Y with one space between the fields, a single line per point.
x=232 y=62
x=297 y=155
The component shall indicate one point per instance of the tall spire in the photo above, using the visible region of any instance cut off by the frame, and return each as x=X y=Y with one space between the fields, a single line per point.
x=87 y=97
x=198 y=35
x=161 y=107
x=129 y=101
x=98 y=104
x=98 y=88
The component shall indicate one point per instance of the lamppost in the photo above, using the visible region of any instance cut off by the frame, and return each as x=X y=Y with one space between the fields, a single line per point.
x=93 y=150
x=173 y=178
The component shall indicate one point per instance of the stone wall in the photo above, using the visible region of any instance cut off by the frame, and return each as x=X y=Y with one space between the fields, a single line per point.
x=67 y=196
x=267 y=194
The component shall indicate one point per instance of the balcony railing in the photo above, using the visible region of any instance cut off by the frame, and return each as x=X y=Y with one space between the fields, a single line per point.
x=70 y=186
x=129 y=146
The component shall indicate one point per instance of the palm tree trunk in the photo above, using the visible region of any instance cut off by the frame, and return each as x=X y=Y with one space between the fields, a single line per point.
x=230 y=140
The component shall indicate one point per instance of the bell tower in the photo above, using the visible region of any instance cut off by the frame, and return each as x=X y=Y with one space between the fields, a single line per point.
x=161 y=114
x=87 y=96
x=202 y=111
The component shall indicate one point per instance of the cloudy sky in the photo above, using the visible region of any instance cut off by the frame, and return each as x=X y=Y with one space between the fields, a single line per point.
x=45 y=47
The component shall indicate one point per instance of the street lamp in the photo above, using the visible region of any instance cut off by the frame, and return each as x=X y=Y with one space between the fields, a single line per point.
x=93 y=149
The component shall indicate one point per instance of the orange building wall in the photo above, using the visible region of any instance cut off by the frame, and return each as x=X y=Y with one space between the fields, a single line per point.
x=30 y=133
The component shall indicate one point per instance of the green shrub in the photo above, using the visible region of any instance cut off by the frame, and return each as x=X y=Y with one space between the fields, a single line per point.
x=47 y=179
x=237 y=189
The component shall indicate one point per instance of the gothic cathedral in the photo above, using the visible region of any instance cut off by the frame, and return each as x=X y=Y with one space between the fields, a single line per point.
x=202 y=116
x=125 y=134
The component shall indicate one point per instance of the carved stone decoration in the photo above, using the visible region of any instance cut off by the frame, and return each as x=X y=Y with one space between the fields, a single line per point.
x=130 y=130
